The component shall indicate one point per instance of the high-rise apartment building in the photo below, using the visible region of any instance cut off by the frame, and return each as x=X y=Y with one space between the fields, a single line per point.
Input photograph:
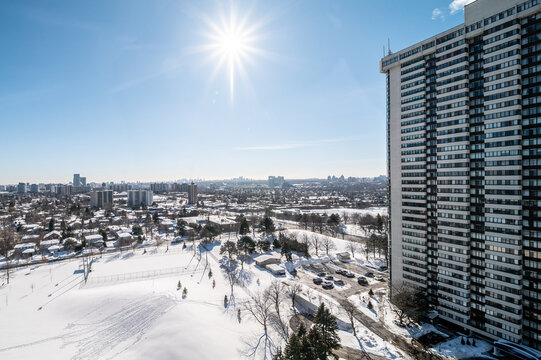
x=21 y=188
x=76 y=180
x=192 y=194
x=102 y=199
x=139 y=197
x=464 y=160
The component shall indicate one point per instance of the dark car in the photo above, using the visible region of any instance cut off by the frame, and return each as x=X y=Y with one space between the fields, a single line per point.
x=317 y=281
x=339 y=282
x=341 y=272
x=321 y=274
x=329 y=277
x=349 y=275
x=369 y=274
x=327 y=285
x=362 y=280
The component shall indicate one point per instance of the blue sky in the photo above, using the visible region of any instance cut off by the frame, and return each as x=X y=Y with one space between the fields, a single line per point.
x=127 y=90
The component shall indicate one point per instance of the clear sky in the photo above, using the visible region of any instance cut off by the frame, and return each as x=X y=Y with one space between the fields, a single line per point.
x=141 y=90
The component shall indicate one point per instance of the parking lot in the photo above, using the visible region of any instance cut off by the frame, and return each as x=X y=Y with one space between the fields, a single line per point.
x=345 y=278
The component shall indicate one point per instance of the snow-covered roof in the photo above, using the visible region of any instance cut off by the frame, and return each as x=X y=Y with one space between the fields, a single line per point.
x=49 y=242
x=24 y=246
x=94 y=238
x=53 y=233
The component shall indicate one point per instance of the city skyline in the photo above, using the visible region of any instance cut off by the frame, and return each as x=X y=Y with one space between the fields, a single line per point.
x=85 y=87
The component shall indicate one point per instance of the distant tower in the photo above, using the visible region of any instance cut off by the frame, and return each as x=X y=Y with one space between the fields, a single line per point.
x=192 y=194
x=76 y=180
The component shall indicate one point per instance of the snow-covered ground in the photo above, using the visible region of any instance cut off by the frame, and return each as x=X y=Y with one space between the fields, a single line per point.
x=339 y=246
x=374 y=211
x=454 y=348
x=130 y=308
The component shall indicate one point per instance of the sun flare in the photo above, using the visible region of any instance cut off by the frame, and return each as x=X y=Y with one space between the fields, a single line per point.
x=231 y=46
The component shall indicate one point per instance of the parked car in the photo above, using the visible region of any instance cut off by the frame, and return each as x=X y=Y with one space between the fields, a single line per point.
x=339 y=282
x=317 y=281
x=349 y=275
x=341 y=272
x=379 y=278
x=362 y=280
x=321 y=274
x=369 y=274
x=382 y=268
x=329 y=277
x=327 y=285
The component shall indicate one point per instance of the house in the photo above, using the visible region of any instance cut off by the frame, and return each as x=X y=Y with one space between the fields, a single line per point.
x=94 y=240
x=20 y=249
x=265 y=260
x=124 y=239
x=343 y=256
x=47 y=244
x=276 y=269
x=53 y=235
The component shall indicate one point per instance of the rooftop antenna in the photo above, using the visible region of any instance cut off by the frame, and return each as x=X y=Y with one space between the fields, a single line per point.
x=383 y=50
x=389 y=45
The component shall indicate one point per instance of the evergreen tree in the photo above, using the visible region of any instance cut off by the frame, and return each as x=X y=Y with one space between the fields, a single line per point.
x=293 y=349
x=326 y=325
x=51 y=224
x=267 y=225
x=370 y=306
x=244 y=226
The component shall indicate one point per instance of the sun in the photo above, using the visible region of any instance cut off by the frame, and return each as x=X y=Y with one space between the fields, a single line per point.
x=231 y=45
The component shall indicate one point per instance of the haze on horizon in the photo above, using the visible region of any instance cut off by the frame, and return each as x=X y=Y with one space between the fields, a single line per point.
x=157 y=91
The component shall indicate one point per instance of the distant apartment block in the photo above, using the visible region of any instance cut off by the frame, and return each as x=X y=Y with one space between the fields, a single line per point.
x=76 y=180
x=63 y=190
x=192 y=194
x=120 y=187
x=137 y=198
x=102 y=199
x=21 y=188
x=276 y=181
x=464 y=160
x=160 y=187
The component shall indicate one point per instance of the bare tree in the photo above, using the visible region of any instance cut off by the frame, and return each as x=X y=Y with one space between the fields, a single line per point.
x=352 y=247
x=366 y=249
x=232 y=274
x=6 y=242
x=276 y=292
x=292 y=291
x=350 y=310
x=316 y=242
x=328 y=244
x=261 y=310
x=306 y=241
x=345 y=217
x=408 y=302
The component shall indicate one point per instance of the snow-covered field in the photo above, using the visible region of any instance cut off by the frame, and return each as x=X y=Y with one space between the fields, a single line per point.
x=369 y=211
x=130 y=308
x=339 y=246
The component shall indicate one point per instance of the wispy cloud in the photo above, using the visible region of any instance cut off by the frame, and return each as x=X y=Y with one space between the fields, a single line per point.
x=458 y=5
x=168 y=66
x=437 y=14
x=295 y=145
